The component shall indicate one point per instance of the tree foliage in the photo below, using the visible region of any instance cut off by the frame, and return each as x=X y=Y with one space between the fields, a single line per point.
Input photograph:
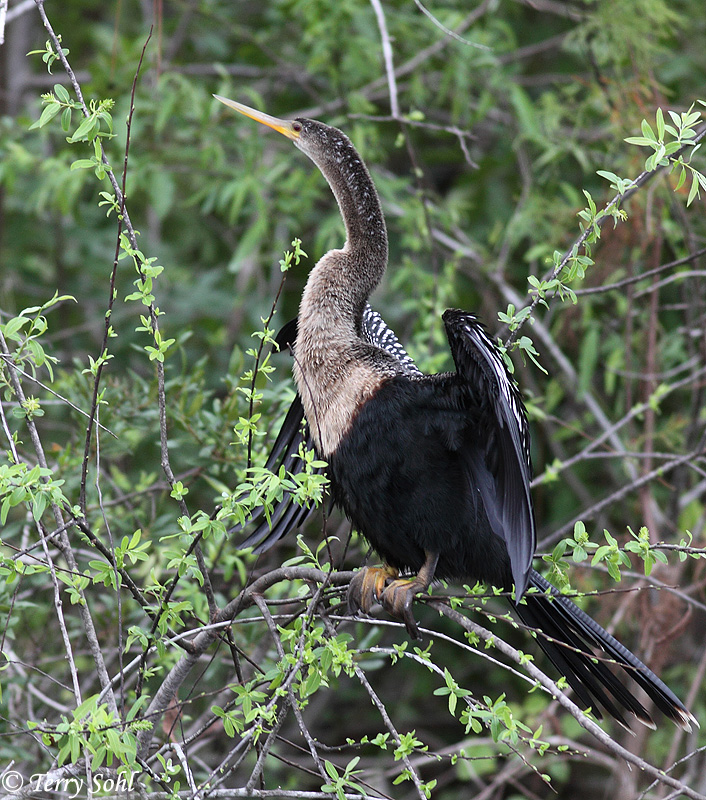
x=539 y=163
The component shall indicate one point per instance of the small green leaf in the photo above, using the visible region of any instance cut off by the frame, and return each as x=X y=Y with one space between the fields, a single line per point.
x=693 y=192
x=61 y=93
x=639 y=140
x=66 y=119
x=647 y=131
x=610 y=176
x=86 y=130
x=47 y=115
x=660 y=124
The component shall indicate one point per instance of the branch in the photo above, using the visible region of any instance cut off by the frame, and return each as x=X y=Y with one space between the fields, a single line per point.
x=589 y=513
x=610 y=287
x=86 y=619
x=79 y=96
x=205 y=637
x=387 y=57
x=585 y=722
x=448 y=31
x=620 y=199
x=122 y=218
x=293 y=703
x=365 y=683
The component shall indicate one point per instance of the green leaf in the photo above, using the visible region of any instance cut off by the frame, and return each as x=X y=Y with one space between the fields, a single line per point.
x=13 y=326
x=83 y=163
x=66 y=119
x=640 y=140
x=647 y=132
x=61 y=93
x=611 y=176
x=693 y=192
x=39 y=505
x=660 y=124
x=47 y=115
x=86 y=130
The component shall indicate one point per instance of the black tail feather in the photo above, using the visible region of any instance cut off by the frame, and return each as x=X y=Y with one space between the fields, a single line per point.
x=571 y=633
x=566 y=651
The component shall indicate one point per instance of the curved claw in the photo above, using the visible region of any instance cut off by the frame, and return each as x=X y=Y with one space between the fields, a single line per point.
x=381 y=584
x=367 y=587
x=397 y=601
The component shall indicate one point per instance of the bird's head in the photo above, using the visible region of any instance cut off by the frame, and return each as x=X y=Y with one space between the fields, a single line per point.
x=318 y=141
x=339 y=162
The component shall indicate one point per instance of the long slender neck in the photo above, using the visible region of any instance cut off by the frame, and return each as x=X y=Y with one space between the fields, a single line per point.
x=359 y=266
x=332 y=377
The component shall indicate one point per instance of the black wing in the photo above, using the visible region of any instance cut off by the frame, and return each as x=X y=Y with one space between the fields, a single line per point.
x=507 y=452
x=287 y=515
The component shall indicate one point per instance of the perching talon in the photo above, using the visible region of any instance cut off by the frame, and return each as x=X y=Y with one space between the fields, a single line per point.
x=367 y=586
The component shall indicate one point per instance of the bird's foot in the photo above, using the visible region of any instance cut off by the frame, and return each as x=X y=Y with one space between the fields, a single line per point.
x=367 y=587
x=397 y=600
x=395 y=594
x=382 y=585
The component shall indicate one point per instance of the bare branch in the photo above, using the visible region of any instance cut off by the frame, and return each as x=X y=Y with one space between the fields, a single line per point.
x=387 y=57
x=585 y=722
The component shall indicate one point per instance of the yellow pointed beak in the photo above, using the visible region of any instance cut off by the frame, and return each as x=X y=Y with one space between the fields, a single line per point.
x=283 y=126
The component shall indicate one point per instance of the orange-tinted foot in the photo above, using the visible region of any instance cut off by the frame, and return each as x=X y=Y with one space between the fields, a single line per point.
x=381 y=584
x=367 y=587
x=397 y=600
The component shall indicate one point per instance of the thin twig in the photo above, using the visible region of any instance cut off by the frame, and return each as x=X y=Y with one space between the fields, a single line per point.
x=387 y=58
x=84 y=108
x=618 y=494
x=85 y=614
x=365 y=683
x=609 y=433
x=256 y=367
x=294 y=705
x=3 y=19
x=616 y=202
x=19 y=9
x=123 y=219
x=610 y=287
x=448 y=31
x=205 y=637
x=51 y=391
x=585 y=722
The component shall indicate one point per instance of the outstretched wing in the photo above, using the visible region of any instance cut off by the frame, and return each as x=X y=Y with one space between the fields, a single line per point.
x=506 y=497
x=287 y=515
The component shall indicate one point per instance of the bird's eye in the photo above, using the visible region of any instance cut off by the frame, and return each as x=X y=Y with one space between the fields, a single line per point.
x=297 y=126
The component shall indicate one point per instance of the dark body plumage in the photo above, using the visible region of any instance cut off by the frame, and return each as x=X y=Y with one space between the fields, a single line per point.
x=434 y=470
x=403 y=475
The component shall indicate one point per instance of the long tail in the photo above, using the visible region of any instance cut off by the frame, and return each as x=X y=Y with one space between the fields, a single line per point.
x=571 y=634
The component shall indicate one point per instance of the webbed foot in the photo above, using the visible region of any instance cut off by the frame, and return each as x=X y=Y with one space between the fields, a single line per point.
x=397 y=599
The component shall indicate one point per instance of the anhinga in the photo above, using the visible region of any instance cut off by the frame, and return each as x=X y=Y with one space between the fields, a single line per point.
x=434 y=470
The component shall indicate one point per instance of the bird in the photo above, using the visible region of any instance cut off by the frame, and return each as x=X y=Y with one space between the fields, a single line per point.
x=433 y=470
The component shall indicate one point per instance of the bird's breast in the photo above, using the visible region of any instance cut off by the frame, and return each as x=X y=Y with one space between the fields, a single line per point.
x=334 y=386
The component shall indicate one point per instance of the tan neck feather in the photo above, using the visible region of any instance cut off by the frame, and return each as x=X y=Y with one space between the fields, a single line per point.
x=332 y=379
